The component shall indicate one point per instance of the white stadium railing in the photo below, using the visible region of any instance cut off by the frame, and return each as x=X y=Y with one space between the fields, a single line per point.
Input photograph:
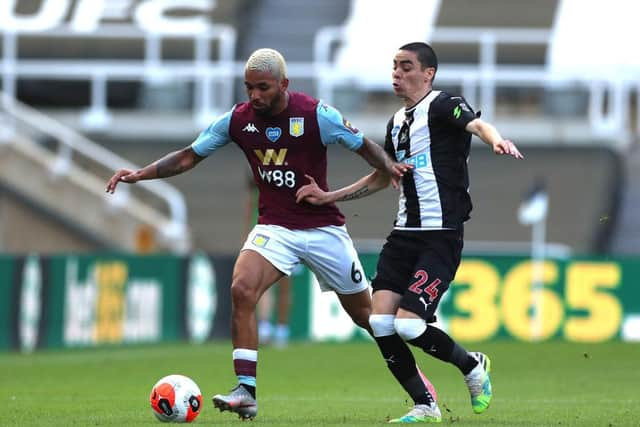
x=16 y=117
x=213 y=78
x=610 y=118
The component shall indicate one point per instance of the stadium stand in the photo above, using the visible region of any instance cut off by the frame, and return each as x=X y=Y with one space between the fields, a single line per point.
x=499 y=54
x=53 y=198
x=292 y=26
x=601 y=59
x=363 y=44
x=625 y=238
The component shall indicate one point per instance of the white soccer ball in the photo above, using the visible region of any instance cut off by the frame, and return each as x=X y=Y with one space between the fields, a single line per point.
x=176 y=398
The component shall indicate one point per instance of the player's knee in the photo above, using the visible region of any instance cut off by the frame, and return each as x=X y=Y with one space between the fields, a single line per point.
x=409 y=329
x=382 y=324
x=243 y=293
x=361 y=318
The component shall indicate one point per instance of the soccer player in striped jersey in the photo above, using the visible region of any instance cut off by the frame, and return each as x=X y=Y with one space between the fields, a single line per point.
x=432 y=133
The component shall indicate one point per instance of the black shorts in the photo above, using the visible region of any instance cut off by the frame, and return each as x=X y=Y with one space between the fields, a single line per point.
x=419 y=265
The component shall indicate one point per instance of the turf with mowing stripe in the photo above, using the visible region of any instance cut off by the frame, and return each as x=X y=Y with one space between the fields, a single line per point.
x=548 y=384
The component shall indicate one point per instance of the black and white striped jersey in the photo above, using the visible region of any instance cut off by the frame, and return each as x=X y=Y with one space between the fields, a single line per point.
x=431 y=137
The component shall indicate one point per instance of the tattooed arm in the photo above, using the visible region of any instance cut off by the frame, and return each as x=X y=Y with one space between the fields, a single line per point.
x=379 y=159
x=364 y=187
x=172 y=164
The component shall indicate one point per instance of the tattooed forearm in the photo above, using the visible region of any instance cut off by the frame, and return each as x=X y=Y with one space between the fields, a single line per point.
x=174 y=163
x=168 y=166
x=375 y=155
x=355 y=195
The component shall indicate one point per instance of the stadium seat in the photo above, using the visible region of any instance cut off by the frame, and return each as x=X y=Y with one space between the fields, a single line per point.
x=369 y=42
x=592 y=45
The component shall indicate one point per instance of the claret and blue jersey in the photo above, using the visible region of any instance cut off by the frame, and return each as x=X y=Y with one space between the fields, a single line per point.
x=281 y=149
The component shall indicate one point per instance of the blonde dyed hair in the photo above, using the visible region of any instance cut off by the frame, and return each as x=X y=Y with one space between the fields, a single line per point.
x=269 y=61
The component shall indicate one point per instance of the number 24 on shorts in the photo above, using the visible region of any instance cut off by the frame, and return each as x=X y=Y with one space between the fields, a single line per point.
x=431 y=289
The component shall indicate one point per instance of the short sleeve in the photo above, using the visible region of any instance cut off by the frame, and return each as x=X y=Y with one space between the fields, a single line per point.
x=454 y=109
x=388 y=140
x=213 y=137
x=335 y=129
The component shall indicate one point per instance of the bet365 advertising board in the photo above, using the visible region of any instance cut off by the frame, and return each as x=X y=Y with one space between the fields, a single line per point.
x=578 y=299
x=88 y=300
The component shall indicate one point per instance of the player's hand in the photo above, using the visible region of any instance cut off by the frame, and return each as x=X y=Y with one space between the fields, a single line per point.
x=122 y=175
x=312 y=193
x=507 y=147
x=397 y=171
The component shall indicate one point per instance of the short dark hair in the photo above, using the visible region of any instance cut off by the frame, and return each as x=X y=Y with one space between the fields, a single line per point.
x=425 y=53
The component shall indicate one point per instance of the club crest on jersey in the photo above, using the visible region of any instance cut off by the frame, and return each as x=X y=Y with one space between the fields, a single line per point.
x=400 y=154
x=395 y=130
x=296 y=126
x=260 y=240
x=273 y=134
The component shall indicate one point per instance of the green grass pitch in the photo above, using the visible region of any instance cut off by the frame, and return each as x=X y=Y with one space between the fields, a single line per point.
x=548 y=384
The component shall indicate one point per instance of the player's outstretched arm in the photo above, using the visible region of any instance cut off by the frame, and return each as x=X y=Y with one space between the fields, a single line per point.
x=365 y=186
x=379 y=159
x=490 y=136
x=172 y=164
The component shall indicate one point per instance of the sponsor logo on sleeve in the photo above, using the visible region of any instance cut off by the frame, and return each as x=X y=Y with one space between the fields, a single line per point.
x=349 y=126
x=462 y=106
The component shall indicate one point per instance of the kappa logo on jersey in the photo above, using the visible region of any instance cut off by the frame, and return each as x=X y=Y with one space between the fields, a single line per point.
x=251 y=128
x=349 y=126
x=271 y=156
x=296 y=126
x=273 y=134
x=260 y=240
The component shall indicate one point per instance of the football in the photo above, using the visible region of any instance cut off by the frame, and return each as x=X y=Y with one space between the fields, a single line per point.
x=176 y=398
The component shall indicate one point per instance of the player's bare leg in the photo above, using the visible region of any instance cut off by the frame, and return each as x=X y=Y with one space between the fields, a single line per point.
x=252 y=276
x=358 y=307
